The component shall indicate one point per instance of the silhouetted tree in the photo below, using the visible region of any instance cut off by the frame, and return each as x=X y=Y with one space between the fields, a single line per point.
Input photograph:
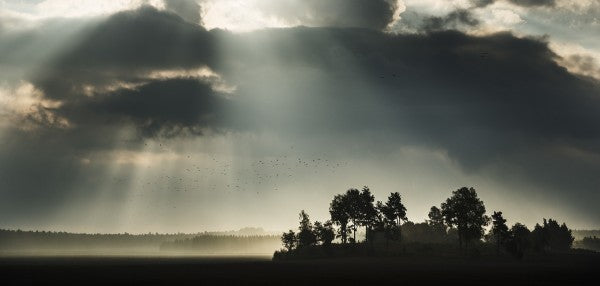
x=519 y=238
x=552 y=236
x=306 y=235
x=354 y=201
x=289 y=240
x=561 y=238
x=367 y=211
x=324 y=231
x=418 y=232
x=539 y=238
x=394 y=213
x=467 y=212
x=499 y=230
x=339 y=211
x=380 y=220
x=436 y=219
x=387 y=222
x=396 y=208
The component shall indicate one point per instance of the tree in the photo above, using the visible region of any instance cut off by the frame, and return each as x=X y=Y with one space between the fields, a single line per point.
x=519 y=238
x=467 y=212
x=353 y=200
x=552 y=236
x=357 y=207
x=394 y=213
x=395 y=207
x=436 y=219
x=561 y=238
x=367 y=211
x=387 y=222
x=339 y=211
x=306 y=235
x=289 y=240
x=499 y=230
x=324 y=231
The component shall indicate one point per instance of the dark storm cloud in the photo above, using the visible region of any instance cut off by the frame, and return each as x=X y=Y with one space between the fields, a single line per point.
x=495 y=100
x=373 y=14
x=122 y=47
x=165 y=107
x=434 y=85
x=482 y=3
x=524 y=3
x=454 y=20
x=460 y=19
x=533 y=3
x=189 y=10
x=438 y=85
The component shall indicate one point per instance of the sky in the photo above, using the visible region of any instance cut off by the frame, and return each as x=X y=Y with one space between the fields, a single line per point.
x=192 y=115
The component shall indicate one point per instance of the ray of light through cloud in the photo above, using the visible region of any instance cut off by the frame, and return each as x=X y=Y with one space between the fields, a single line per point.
x=146 y=116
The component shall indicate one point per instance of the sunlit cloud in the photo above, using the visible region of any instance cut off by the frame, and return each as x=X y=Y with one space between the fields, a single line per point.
x=72 y=9
x=203 y=73
x=250 y=15
x=239 y=15
x=577 y=59
x=25 y=101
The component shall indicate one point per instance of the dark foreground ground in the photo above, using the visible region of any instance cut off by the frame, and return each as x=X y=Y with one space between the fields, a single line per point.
x=81 y=270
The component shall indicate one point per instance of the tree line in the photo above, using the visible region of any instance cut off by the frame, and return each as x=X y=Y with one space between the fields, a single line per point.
x=460 y=219
x=589 y=242
x=253 y=239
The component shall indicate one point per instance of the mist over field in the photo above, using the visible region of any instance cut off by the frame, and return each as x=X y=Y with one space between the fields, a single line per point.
x=244 y=242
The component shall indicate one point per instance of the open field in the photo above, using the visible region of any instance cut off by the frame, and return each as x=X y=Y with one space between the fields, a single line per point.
x=581 y=269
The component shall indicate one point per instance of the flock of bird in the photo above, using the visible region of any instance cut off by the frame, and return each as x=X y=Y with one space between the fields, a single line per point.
x=212 y=174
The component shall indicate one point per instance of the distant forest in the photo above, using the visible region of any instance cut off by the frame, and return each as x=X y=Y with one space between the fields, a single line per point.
x=456 y=227
x=243 y=241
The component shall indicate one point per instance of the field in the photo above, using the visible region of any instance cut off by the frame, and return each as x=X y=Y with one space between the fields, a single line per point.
x=575 y=269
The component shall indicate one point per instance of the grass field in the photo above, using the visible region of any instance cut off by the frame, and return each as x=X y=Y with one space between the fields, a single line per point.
x=580 y=269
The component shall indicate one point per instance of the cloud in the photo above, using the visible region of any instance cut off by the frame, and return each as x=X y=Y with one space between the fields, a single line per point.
x=164 y=107
x=473 y=81
x=454 y=20
x=189 y=10
x=485 y=101
x=533 y=3
x=482 y=3
x=256 y=14
x=376 y=14
x=523 y=3
x=122 y=48
x=582 y=64
x=443 y=80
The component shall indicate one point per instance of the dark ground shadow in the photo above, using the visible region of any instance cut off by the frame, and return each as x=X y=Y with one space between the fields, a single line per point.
x=556 y=270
